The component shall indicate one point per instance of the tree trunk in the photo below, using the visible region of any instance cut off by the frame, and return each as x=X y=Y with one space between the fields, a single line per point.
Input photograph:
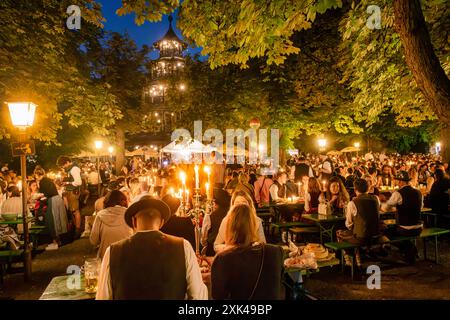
x=445 y=144
x=421 y=59
x=120 y=154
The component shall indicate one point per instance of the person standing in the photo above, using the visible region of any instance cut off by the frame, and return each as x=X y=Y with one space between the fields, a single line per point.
x=327 y=168
x=55 y=215
x=72 y=186
x=302 y=169
x=150 y=265
x=262 y=186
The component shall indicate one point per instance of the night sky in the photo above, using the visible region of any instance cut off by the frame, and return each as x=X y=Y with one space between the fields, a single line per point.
x=146 y=33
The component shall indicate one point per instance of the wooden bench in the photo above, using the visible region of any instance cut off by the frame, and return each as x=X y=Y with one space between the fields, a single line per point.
x=295 y=231
x=35 y=232
x=280 y=227
x=6 y=258
x=426 y=233
x=266 y=215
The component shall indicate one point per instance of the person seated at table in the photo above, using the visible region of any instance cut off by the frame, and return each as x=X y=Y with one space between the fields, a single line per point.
x=278 y=190
x=438 y=198
x=372 y=187
x=246 y=269
x=150 y=265
x=211 y=222
x=33 y=194
x=423 y=174
x=13 y=202
x=312 y=196
x=244 y=185
x=385 y=179
x=139 y=189
x=414 y=175
x=336 y=196
x=177 y=225
x=409 y=202
x=55 y=212
x=109 y=224
x=239 y=197
x=233 y=182
x=361 y=219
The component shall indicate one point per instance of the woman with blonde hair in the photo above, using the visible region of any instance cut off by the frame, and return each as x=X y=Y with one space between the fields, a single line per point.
x=239 y=198
x=246 y=269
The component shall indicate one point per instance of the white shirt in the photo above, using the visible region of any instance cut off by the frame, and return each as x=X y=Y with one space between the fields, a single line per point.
x=219 y=243
x=326 y=167
x=395 y=200
x=352 y=212
x=274 y=191
x=196 y=289
x=93 y=177
x=12 y=205
x=75 y=172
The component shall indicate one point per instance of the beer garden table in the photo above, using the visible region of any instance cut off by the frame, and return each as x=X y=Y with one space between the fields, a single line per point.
x=326 y=223
x=59 y=289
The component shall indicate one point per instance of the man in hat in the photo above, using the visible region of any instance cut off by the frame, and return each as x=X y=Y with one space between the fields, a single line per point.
x=409 y=202
x=150 y=264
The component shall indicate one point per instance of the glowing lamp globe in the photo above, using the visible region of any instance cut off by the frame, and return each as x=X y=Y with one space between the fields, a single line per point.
x=98 y=144
x=111 y=149
x=322 y=143
x=255 y=123
x=22 y=114
x=356 y=144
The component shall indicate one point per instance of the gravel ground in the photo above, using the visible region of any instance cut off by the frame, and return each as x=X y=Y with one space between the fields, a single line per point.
x=424 y=280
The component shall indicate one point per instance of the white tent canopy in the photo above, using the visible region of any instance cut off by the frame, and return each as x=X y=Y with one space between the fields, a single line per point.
x=143 y=151
x=187 y=146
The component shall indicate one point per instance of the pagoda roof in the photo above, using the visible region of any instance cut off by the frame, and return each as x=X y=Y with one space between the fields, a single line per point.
x=170 y=36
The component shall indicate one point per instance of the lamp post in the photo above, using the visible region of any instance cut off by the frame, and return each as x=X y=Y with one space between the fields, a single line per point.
x=98 y=146
x=22 y=117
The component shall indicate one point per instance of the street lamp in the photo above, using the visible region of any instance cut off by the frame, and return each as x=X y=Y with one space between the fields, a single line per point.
x=22 y=117
x=98 y=146
x=322 y=142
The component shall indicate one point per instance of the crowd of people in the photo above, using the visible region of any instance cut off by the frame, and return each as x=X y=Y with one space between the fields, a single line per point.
x=136 y=209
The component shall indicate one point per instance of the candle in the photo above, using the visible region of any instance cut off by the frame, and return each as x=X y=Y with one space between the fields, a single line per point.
x=207 y=190
x=180 y=194
x=324 y=184
x=197 y=182
x=187 y=195
x=183 y=178
x=208 y=172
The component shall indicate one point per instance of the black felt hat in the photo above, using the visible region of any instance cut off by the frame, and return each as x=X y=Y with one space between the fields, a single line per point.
x=147 y=204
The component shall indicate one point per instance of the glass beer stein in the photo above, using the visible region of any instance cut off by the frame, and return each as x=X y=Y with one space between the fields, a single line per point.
x=91 y=271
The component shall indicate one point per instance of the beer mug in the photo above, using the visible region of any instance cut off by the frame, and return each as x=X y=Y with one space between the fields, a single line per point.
x=91 y=271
